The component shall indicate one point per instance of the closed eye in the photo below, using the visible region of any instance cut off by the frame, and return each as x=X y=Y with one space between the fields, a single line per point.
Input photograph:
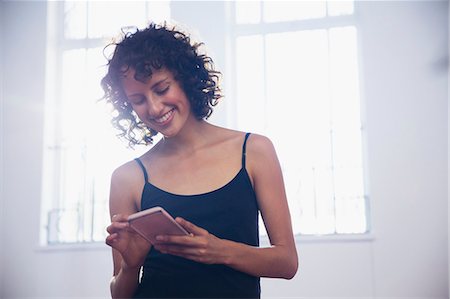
x=161 y=92
x=137 y=100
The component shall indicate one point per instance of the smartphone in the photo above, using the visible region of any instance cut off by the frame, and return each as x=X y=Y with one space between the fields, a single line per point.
x=153 y=222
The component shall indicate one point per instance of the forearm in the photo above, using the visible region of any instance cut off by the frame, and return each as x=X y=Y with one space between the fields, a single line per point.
x=124 y=284
x=277 y=261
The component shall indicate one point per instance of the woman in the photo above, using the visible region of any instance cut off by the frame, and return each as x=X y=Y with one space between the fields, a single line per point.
x=214 y=180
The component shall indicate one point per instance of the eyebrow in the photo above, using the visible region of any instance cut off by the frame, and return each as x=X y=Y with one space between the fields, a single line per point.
x=159 y=82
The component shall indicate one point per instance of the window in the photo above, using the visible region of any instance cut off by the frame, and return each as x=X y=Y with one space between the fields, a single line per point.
x=296 y=81
x=78 y=132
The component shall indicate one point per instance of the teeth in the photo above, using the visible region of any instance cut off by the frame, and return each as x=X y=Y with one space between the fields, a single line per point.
x=164 y=117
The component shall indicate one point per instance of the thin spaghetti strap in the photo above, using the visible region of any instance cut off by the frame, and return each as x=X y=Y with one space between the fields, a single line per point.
x=143 y=169
x=244 y=149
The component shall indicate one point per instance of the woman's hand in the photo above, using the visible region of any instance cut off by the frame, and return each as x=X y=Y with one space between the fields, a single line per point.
x=131 y=246
x=199 y=246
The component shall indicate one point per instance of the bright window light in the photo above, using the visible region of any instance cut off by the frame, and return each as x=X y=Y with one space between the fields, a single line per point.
x=300 y=87
x=340 y=8
x=78 y=127
x=250 y=82
x=248 y=12
x=283 y=11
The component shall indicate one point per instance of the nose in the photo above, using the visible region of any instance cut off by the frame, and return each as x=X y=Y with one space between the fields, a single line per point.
x=154 y=106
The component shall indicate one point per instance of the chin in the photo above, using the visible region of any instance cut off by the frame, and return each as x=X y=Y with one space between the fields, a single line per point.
x=169 y=134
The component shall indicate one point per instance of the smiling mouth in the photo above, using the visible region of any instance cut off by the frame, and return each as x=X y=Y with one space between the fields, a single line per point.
x=164 y=118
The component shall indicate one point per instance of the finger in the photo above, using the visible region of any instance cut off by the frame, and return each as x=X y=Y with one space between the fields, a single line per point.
x=178 y=240
x=180 y=250
x=111 y=239
x=116 y=226
x=192 y=228
x=194 y=256
x=119 y=218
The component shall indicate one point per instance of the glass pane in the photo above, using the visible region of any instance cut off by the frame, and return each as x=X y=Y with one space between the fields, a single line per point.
x=297 y=73
x=96 y=209
x=106 y=18
x=75 y=19
x=250 y=83
x=73 y=181
x=158 y=11
x=339 y=8
x=87 y=135
x=73 y=94
x=298 y=103
x=305 y=217
x=84 y=131
x=248 y=12
x=347 y=143
x=281 y=11
x=100 y=139
x=344 y=76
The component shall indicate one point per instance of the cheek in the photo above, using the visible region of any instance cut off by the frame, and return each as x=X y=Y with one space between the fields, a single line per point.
x=139 y=112
x=185 y=99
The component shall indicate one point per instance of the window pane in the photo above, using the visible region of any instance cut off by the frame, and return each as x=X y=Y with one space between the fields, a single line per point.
x=344 y=76
x=250 y=83
x=75 y=19
x=106 y=18
x=298 y=101
x=312 y=112
x=281 y=11
x=73 y=181
x=248 y=12
x=297 y=91
x=158 y=11
x=78 y=171
x=86 y=136
x=347 y=143
x=339 y=8
x=73 y=79
x=100 y=139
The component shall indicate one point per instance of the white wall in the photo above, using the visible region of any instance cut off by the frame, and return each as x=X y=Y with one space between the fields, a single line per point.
x=1 y=144
x=404 y=92
x=406 y=107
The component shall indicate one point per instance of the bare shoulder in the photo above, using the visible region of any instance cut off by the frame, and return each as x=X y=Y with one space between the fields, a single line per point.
x=226 y=138
x=127 y=182
x=261 y=156
x=259 y=145
x=126 y=174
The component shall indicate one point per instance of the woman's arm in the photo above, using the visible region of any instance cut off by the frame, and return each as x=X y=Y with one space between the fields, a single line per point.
x=279 y=260
x=129 y=249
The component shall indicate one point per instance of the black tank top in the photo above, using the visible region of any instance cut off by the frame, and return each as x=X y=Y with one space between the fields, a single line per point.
x=230 y=212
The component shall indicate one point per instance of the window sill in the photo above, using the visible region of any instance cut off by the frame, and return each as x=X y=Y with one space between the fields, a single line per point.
x=264 y=241
x=86 y=246
x=337 y=238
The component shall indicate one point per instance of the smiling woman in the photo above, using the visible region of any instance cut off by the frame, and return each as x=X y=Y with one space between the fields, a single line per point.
x=194 y=72
x=216 y=181
x=158 y=101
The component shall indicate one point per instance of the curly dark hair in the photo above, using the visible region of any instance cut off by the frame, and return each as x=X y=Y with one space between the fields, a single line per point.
x=151 y=49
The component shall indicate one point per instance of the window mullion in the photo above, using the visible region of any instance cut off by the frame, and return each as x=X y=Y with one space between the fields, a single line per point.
x=279 y=27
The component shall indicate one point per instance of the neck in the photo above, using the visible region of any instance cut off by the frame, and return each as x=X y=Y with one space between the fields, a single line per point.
x=188 y=140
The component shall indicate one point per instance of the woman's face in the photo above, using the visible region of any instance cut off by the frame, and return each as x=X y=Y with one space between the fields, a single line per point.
x=160 y=102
